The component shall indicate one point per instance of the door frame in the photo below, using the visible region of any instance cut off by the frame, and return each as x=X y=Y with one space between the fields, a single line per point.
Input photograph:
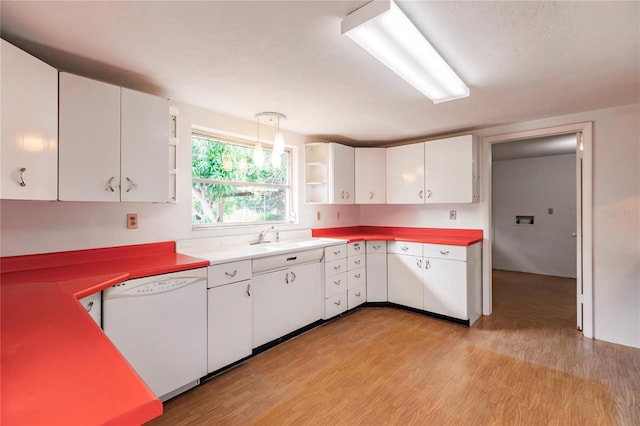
x=584 y=193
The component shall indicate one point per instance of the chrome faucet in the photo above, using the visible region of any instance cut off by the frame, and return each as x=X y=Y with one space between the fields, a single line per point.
x=262 y=235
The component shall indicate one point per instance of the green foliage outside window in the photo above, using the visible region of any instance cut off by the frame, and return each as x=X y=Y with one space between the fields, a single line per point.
x=222 y=190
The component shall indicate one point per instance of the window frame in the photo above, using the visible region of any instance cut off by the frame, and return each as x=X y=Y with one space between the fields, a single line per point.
x=291 y=208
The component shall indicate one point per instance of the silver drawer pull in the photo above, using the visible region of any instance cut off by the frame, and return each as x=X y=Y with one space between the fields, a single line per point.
x=357 y=262
x=420 y=194
x=419 y=263
x=337 y=252
x=370 y=195
x=337 y=282
x=357 y=275
x=293 y=277
x=337 y=303
x=232 y=274
x=444 y=252
x=337 y=268
x=404 y=248
x=428 y=265
x=358 y=294
x=21 y=181
x=377 y=247
x=89 y=306
x=131 y=185
x=356 y=247
x=248 y=289
x=109 y=185
x=429 y=193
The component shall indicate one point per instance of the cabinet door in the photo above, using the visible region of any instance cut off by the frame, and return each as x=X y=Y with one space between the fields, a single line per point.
x=304 y=296
x=376 y=277
x=29 y=127
x=229 y=324
x=145 y=147
x=449 y=170
x=405 y=174
x=405 y=280
x=342 y=174
x=270 y=306
x=89 y=140
x=370 y=174
x=445 y=287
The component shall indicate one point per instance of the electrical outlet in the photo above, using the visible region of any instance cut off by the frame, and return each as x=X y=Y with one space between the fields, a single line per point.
x=132 y=220
x=453 y=214
x=318 y=215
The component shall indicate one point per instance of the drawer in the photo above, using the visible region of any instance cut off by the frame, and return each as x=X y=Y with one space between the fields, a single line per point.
x=354 y=249
x=377 y=247
x=335 y=284
x=227 y=273
x=357 y=278
x=403 y=247
x=335 y=305
x=355 y=262
x=335 y=267
x=335 y=252
x=356 y=296
x=441 y=251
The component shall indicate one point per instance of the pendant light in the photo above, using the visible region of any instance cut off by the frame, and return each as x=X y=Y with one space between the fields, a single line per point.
x=278 y=139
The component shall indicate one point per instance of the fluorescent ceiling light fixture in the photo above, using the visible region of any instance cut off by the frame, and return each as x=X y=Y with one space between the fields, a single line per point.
x=380 y=28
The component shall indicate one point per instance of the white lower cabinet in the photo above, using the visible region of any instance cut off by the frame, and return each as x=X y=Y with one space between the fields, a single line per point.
x=376 y=261
x=229 y=324
x=356 y=296
x=285 y=300
x=441 y=279
x=335 y=281
x=405 y=280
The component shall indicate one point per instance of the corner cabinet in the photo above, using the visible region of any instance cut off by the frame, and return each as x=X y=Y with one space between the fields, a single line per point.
x=329 y=173
x=370 y=167
x=29 y=146
x=114 y=143
x=437 y=171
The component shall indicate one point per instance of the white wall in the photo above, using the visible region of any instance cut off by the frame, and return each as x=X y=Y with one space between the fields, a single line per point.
x=40 y=227
x=530 y=186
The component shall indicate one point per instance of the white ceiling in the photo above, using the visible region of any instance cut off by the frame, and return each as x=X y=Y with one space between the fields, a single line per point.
x=521 y=60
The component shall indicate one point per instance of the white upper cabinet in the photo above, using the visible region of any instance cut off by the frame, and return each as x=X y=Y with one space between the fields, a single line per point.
x=451 y=170
x=370 y=175
x=405 y=174
x=144 y=147
x=114 y=143
x=438 y=171
x=329 y=173
x=89 y=140
x=29 y=146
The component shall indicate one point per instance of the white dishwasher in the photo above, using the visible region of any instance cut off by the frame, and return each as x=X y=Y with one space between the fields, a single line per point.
x=159 y=324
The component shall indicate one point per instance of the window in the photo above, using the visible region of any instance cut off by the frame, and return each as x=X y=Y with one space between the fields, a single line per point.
x=228 y=188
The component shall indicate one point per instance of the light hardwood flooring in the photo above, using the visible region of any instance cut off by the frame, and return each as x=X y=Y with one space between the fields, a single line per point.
x=523 y=365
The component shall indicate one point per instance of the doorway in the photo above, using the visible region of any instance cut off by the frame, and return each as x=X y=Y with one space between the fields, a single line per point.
x=583 y=238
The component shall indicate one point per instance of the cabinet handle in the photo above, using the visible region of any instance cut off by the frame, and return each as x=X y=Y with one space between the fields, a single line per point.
x=248 y=289
x=357 y=275
x=231 y=275
x=109 y=185
x=337 y=252
x=336 y=268
x=444 y=252
x=357 y=262
x=347 y=192
x=132 y=185
x=286 y=278
x=419 y=263
x=337 y=303
x=428 y=193
x=89 y=306
x=337 y=282
x=428 y=265
x=358 y=294
x=377 y=247
x=356 y=247
x=21 y=181
x=370 y=195
x=342 y=195
x=293 y=277
x=404 y=248
x=421 y=194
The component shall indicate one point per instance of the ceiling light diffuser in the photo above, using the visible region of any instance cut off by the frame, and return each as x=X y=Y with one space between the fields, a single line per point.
x=383 y=30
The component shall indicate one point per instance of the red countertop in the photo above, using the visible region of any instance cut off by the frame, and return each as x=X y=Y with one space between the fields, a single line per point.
x=58 y=367
x=456 y=237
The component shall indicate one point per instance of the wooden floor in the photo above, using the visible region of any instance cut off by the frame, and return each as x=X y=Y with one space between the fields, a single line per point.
x=523 y=365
